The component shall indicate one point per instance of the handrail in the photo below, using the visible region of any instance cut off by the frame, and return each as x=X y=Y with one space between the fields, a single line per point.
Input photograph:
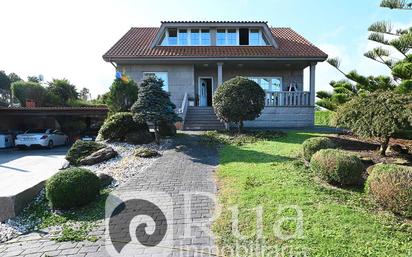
x=183 y=108
x=287 y=98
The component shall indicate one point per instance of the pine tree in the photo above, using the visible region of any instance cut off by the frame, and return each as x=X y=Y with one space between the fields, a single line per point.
x=153 y=105
x=400 y=40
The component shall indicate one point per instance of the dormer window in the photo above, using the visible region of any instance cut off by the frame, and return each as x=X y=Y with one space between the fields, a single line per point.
x=195 y=37
x=226 y=37
x=205 y=37
x=172 y=39
x=222 y=37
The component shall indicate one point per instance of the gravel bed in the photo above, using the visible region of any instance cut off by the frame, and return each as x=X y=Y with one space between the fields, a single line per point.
x=121 y=168
x=126 y=165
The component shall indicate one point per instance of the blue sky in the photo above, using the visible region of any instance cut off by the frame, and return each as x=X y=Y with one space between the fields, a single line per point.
x=67 y=38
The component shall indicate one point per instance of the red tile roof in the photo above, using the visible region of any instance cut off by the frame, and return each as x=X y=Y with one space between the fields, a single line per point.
x=136 y=43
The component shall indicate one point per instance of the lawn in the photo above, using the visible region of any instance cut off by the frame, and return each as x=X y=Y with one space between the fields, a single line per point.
x=323 y=118
x=336 y=222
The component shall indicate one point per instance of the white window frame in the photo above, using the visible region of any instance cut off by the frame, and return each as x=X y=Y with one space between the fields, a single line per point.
x=187 y=37
x=227 y=36
x=260 y=38
x=165 y=83
x=270 y=82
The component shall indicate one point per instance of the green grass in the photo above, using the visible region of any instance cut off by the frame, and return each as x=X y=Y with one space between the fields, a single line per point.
x=323 y=118
x=75 y=224
x=336 y=222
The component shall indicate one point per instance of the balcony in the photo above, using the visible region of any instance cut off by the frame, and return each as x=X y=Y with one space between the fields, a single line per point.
x=287 y=99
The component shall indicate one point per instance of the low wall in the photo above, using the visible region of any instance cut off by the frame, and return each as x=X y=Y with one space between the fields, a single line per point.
x=284 y=117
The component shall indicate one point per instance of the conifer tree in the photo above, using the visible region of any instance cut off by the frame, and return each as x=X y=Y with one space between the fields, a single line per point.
x=153 y=105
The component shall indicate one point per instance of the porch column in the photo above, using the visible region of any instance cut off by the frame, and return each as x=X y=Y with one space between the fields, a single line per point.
x=219 y=73
x=312 y=83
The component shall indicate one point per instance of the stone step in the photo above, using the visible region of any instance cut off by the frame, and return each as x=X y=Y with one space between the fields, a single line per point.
x=202 y=118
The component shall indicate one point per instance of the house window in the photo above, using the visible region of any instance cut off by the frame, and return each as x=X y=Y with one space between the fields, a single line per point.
x=254 y=37
x=231 y=37
x=160 y=75
x=172 y=37
x=205 y=37
x=243 y=37
x=221 y=37
x=182 y=38
x=194 y=37
x=269 y=84
x=226 y=37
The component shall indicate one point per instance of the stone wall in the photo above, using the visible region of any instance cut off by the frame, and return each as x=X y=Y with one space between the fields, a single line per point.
x=180 y=78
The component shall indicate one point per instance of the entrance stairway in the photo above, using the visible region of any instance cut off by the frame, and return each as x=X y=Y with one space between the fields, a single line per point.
x=202 y=118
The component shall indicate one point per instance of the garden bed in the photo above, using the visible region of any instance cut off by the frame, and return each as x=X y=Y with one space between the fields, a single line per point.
x=368 y=149
x=336 y=221
x=76 y=225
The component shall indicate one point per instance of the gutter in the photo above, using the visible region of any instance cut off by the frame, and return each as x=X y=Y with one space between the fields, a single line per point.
x=116 y=59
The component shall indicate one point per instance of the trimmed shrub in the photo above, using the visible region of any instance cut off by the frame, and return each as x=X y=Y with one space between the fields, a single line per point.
x=314 y=144
x=337 y=167
x=390 y=185
x=146 y=153
x=119 y=125
x=71 y=188
x=81 y=149
x=237 y=100
x=167 y=129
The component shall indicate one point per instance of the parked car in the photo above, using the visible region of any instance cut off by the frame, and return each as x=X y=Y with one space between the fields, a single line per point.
x=89 y=135
x=6 y=140
x=41 y=137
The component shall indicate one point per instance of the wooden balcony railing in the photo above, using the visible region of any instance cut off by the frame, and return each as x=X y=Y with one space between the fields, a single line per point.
x=286 y=98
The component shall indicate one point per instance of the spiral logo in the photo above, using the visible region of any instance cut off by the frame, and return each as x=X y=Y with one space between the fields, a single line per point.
x=139 y=223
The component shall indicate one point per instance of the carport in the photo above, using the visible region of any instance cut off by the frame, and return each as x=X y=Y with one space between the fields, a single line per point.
x=23 y=118
x=22 y=173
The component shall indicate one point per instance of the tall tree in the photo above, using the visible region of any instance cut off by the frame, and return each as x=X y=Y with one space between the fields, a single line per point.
x=123 y=94
x=4 y=81
x=84 y=94
x=14 y=77
x=34 y=79
x=397 y=4
x=63 y=89
x=400 y=40
x=153 y=105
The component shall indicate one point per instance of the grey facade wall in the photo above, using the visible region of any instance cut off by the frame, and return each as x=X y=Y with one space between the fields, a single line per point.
x=284 y=117
x=180 y=77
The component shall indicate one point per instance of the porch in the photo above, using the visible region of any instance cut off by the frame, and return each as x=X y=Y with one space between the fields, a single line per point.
x=287 y=104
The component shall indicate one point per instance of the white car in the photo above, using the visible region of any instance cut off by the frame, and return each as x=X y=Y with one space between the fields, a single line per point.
x=41 y=137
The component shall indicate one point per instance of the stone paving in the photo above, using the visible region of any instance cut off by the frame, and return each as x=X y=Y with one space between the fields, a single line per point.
x=183 y=176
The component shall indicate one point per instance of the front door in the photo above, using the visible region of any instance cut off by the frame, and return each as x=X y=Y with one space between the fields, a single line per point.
x=205 y=92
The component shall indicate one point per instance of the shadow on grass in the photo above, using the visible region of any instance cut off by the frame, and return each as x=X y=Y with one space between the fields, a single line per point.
x=354 y=145
x=239 y=154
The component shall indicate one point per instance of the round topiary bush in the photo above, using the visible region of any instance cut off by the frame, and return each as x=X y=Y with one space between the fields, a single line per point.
x=391 y=186
x=337 y=166
x=81 y=149
x=314 y=144
x=71 y=188
x=119 y=125
x=237 y=100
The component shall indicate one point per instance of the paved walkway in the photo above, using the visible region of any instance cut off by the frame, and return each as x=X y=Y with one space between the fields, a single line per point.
x=178 y=173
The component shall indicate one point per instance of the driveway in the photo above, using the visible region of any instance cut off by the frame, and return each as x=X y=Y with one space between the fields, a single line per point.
x=184 y=172
x=20 y=170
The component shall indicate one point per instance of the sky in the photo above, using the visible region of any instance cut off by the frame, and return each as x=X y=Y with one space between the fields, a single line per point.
x=67 y=38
